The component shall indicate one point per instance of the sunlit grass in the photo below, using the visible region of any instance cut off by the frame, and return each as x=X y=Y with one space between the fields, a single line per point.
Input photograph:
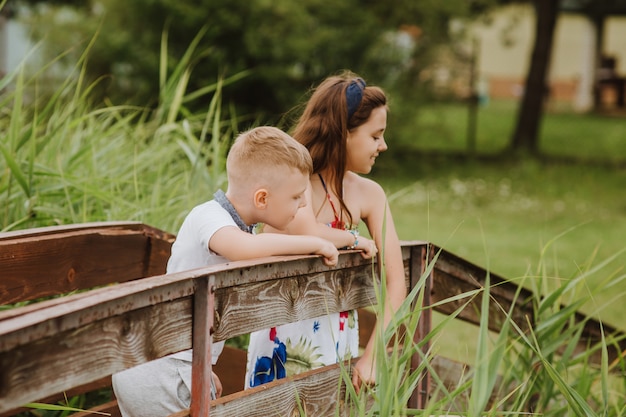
x=516 y=210
x=68 y=161
x=540 y=371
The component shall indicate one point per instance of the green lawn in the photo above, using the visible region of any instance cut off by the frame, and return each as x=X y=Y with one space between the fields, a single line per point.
x=502 y=215
x=443 y=127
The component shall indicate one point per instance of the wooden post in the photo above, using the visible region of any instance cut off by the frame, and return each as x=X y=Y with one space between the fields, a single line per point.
x=203 y=307
x=420 y=256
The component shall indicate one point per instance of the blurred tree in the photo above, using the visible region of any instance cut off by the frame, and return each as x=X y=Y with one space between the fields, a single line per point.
x=288 y=45
x=525 y=138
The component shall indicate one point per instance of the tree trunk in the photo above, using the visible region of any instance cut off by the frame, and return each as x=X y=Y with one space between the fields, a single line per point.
x=525 y=137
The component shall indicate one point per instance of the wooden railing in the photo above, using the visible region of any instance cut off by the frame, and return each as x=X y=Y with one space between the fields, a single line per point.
x=136 y=314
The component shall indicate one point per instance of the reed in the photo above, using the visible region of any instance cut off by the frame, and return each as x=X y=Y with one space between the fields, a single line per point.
x=66 y=160
x=515 y=372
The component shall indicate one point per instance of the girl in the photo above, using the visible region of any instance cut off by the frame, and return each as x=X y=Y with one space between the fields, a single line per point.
x=342 y=126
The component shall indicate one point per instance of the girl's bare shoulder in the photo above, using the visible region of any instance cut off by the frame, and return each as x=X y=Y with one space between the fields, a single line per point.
x=364 y=187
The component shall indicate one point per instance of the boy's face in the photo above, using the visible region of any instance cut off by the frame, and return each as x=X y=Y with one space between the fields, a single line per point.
x=285 y=197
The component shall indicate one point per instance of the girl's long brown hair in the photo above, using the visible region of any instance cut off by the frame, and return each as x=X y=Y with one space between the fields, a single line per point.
x=323 y=127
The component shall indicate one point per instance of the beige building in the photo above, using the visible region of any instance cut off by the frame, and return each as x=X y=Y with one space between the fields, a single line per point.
x=506 y=38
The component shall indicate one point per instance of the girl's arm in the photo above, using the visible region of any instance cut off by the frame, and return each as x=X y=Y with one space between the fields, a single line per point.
x=379 y=221
x=305 y=223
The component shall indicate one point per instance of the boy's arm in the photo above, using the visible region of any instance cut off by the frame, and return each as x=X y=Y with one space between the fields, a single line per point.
x=234 y=244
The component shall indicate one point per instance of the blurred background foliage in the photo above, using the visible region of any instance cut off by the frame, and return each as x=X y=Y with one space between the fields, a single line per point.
x=287 y=46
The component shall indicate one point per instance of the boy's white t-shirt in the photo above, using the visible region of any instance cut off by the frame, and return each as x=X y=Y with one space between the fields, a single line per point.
x=163 y=386
x=191 y=250
x=191 y=247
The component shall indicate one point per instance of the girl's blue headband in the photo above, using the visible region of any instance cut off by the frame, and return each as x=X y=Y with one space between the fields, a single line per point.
x=354 y=95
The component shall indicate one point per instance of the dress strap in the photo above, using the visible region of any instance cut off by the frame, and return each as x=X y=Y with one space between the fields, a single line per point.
x=337 y=223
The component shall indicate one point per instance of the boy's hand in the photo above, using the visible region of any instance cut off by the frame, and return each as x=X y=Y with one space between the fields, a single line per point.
x=368 y=247
x=328 y=250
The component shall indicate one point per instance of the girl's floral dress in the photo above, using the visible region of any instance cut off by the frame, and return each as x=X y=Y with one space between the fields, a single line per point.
x=301 y=346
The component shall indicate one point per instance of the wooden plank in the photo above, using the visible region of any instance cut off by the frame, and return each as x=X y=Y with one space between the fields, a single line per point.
x=52 y=265
x=81 y=310
x=451 y=374
x=231 y=369
x=42 y=264
x=89 y=337
x=159 y=251
x=447 y=375
x=318 y=392
x=322 y=392
x=78 y=356
x=51 y=230
x=242 y=309
x=101 y=383
x=592 y=335
x=454 y=276
x=110 y=408
x=313 y=393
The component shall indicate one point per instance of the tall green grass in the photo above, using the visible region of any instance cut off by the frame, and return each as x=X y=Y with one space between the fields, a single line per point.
x=67 y=160
x=533 y=368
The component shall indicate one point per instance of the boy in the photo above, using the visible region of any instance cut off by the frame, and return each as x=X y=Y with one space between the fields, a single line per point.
x=268 y=174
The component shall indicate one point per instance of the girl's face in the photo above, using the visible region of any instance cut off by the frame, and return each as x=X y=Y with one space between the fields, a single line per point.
x=366 y=142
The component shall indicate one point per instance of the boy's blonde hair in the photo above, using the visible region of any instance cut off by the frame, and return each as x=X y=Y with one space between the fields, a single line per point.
x=256 y=155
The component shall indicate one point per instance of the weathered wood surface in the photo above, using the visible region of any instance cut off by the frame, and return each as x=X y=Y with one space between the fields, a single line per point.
x=243 y=308
x=453 y=276
x=51 y=261
x=318 y=400
x=100 y=384
x=203 y=322
x=420 y=273
x=109 y=409
x=91 y=336
x=55 y=345
x=317 y=393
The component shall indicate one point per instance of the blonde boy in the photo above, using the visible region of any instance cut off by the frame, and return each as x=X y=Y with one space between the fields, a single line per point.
x=268 y=174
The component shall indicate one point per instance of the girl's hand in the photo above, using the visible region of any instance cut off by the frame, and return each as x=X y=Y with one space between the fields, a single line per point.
x=368 y=247
x=363 y=374
x=218 y=385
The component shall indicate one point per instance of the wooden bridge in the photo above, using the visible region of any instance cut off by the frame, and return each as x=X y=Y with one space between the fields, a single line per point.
x=133 y=313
